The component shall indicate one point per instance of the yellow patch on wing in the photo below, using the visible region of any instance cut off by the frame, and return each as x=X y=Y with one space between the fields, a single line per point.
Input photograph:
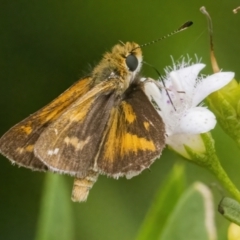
x=146 y=125
x=112 y=141
x=119 y=138
x=133 y=143
x=80 y=108
x=56 y=107
x=128 y=111
x=26 y=129
x=79 y=115
x=76 y=143
x=28 y=148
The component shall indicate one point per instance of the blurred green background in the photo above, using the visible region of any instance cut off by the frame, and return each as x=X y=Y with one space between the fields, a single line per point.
x=45 y=46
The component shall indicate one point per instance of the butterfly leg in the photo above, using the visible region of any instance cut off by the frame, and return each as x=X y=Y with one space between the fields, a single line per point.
x=82 y=186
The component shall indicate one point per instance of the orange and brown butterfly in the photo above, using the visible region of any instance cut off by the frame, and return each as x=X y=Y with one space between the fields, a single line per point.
x=103 y=124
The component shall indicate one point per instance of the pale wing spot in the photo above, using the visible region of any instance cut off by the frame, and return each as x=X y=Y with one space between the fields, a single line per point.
x=76 y=143
x=53 y=152
x=56 y=131
x=20 y=150
x=50 y=152
x=56 y=151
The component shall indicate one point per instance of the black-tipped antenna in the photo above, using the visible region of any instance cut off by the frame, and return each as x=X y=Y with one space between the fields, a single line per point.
x=236 y=10
x=183 y=27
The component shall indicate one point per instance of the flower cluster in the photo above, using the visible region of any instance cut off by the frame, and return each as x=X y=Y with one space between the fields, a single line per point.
x=178 y=101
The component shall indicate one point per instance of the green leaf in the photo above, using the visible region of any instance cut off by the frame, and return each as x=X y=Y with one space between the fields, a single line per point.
x=163 y=204
x=230 y=209
x=56 y=218
x=193 y=216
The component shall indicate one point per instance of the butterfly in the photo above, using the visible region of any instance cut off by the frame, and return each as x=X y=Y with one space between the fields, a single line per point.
x=103 y=124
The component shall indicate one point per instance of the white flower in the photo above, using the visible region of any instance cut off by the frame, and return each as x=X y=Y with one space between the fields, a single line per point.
x=178 y=102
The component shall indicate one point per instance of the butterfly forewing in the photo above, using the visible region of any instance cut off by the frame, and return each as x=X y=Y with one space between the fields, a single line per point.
x=19 y=142
x=70 y=144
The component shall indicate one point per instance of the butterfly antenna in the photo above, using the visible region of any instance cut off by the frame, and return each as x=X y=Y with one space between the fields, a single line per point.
x=235 y=11
x=183 y=27
x=161 y=79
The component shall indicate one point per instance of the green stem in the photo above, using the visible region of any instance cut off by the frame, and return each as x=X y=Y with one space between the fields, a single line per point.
x=217 y=169
x=213 y=164
x=210 y=161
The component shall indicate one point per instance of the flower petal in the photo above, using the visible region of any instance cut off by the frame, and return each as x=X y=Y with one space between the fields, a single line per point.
x=196 y=120
x=184 y=79
x=211 y=84
x=178 y=141
x=152 y=91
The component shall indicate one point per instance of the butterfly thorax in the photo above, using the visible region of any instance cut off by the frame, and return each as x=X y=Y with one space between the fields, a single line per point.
x=115 y=65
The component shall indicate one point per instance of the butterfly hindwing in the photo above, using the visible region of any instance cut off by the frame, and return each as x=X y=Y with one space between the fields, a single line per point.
x=135 y=136
x=18 y=143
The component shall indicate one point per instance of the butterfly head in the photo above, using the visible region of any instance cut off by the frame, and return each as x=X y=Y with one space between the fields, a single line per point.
x=129 y=56
x=123 y=63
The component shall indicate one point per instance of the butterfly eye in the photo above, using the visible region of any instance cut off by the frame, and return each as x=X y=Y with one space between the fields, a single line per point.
x=132 y=62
